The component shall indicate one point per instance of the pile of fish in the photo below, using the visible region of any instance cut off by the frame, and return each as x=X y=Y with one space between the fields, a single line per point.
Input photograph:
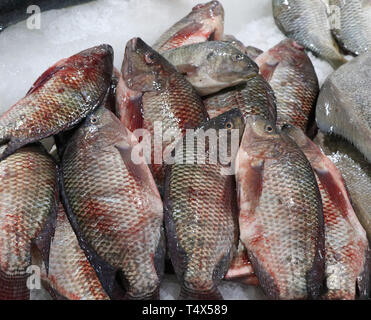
x=259 y=202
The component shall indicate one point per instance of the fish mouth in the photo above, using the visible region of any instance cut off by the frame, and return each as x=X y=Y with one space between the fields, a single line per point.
x=209 y=9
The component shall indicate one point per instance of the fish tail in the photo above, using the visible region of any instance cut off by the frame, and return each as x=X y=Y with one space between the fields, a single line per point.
x=191 y=294
x=14 y=287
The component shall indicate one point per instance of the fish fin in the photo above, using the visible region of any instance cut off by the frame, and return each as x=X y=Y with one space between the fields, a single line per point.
x=364 y=279
x=267 y=70
x=337 y=63
x=184 y=33
x=14 y=287
x=49 y=73
x=44 y=238
x=189 y=294
x=187 y=69
x=106 y=273
x=130 y=111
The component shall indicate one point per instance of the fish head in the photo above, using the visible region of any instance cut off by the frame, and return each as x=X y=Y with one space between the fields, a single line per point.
x=230 y=120
x=211 y=15
x=143 y=68
x=261 y=139
x=100 y=124
x=229 y=65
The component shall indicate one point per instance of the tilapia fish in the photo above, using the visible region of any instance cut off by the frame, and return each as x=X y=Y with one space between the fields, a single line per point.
x=281 y=218
x=59 y=99
x=344 y=103
x=306 y=22
x=255 y=97
x=356 y=171
x=168 y=99
x=353 y=30
x=346 y=245
x=70 y=275
x=28 y=195
x=291 y=75
x=200 y=212
x=212 y=66
x=204 y=22
x=114 y=206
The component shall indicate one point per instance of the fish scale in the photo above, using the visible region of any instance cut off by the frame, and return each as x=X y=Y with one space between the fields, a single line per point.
x=28 y=191
x=62 y=96
x=343 y=105
x=118 y=212
x=346 y=245
x=167 y=97
x=75 y=280
x=354 y=37
x=281 y=221
x=255 y=97
x=200 y=218
x=291 y=75
x=306 y=22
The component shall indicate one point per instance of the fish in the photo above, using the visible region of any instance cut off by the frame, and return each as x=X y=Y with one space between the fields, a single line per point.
x=70 y=275
x=254 y=97
x=13 y=11
x=212 y=66
x=356 y=171
x=28 y=204
x=294 y=81
x=307 y=23
x=353 y=37
x=343 y=106
x=347 y=252
x=114 y=207
x=168 y=100
x=204 y=22
x=59 y=99
x=200 y=209
x=280 y=213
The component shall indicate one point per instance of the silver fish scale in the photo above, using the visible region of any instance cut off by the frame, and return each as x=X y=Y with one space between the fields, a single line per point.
x=355 y=25
x=306 y=22
x=28 y=181
x=296 y=90
x=344 y=103
x=289 y=245
x=204 y=223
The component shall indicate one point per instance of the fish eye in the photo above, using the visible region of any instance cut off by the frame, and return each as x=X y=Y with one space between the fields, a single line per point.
x=237 y=57
x=93 y=120
x=149 y=57
x=229 y=125
x=269 y=128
